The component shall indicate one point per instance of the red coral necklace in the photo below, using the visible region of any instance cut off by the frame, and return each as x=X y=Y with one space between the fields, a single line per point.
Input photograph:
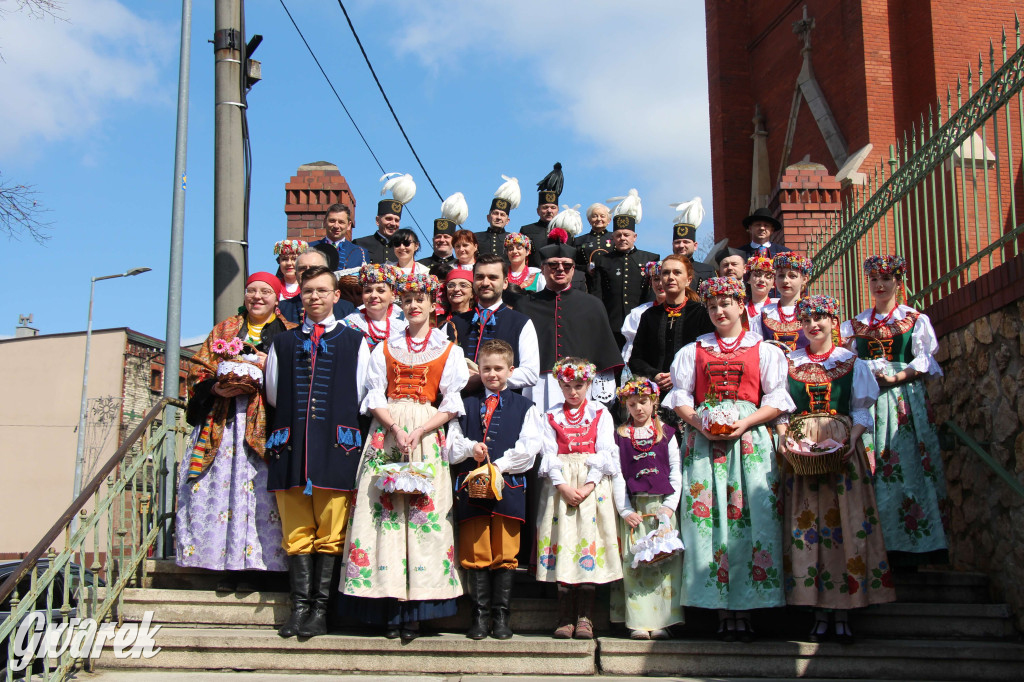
x=728 y=347
x=573 y=418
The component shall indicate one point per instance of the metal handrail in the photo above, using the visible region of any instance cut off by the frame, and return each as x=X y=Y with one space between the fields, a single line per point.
x=987 y=458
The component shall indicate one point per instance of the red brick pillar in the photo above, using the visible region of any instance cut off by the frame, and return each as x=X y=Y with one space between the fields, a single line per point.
x=806 y=202
x=313 y=188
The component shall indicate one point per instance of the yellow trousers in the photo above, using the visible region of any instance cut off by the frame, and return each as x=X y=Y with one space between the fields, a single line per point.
x=314 y=523
x=489 y=542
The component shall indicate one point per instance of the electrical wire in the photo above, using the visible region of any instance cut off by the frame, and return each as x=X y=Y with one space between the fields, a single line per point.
x=386 y=100
x=352 y=120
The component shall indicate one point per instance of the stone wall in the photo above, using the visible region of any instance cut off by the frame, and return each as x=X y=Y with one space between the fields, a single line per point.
x=983 y=393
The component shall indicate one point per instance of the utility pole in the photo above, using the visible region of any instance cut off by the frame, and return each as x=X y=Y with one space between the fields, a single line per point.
x=229 y=239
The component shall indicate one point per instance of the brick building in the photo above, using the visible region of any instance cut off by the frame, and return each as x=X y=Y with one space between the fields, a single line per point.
x=865 y=71
x=308 y=193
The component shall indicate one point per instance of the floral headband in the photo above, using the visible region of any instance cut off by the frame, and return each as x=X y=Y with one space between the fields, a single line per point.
x=651 y=268
x=574 y=371
x=895 y=266
x=817 y=305
x=794 y=261
x=418 y=284
x=373 y=273
x=721 y=286
x=760 y=264
x=639 y=386
x=290 y=247
x=518 y=239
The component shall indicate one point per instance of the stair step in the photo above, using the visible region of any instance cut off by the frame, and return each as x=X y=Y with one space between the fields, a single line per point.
x=943 y=587
x=249 y=650
x=866 y=659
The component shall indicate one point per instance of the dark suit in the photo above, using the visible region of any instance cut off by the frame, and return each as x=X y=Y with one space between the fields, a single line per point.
x=433 y=259
x=377 y=249
x=492 y=241
x=773 y=249
x=538 y=234
x=701 y=272
x=620 y=284
x=349 y=255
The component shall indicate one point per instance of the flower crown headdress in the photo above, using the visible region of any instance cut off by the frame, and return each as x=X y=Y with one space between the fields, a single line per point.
x=373 y=273
x=418 y=284
x=651 y=268
x=721 y=286
x=817 y=304
x=290 y=247
x=566 y=370
x=760 y=264
x=639 y=386
x=892 y=265
x=794 y=261
x=518 y=239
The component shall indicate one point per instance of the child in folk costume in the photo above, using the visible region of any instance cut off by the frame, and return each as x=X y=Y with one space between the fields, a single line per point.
x=898 y=344
x=777 y=321
x=730 y=520
x=506 y=428
x=835 y=554
x=576 y=522
x=379 y=318
x=646 y=494
x=401 y=552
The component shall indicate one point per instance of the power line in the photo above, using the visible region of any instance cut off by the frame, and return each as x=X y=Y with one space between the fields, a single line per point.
x=386 y=100
x=347 y=113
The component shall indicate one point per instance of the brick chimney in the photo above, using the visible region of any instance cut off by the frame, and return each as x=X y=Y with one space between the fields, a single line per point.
x=313 y=188
x=807 y=198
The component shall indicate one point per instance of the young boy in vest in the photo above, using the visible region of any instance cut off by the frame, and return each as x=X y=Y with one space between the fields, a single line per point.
x=506 y=428
x=314 y=444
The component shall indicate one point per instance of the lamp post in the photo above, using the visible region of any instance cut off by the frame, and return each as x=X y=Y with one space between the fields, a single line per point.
x=80 y=451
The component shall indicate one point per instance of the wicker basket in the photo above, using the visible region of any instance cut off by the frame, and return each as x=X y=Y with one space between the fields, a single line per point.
x=479 y=486
x=819 y=426
x=657 y=558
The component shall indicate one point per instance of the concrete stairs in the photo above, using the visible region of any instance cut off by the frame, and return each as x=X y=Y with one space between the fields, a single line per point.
x=945 y=627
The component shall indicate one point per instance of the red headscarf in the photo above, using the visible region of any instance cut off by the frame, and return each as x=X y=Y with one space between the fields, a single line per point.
x=268 y=279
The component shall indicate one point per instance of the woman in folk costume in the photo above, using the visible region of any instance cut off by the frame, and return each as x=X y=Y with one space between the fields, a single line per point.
x=760 y=282
x=378 y=318
x=835 y=555
x=576 y=522
x=899 y=345
x=728 y=385
x=646 y=494
x=226 y=520
x=287 y=252
x=401 y=551
x=521 y=277
x=777 y=321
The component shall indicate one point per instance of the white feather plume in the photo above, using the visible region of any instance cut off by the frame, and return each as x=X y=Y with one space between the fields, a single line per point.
x=568 y=219
x=401 y=186
x=628 y=205
x=509 y=191
x=690 y=212
x=454 y=208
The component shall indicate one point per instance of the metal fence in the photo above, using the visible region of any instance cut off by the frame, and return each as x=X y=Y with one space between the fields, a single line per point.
x=949 y=198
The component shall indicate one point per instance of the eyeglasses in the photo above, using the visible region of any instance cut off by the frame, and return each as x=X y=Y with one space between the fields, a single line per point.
x=317 y=293
x=458 y=285
x=260 y=293
x=407 y=242
x=557 y=267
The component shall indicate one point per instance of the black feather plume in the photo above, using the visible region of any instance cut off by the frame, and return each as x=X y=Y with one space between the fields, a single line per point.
x=552 y=182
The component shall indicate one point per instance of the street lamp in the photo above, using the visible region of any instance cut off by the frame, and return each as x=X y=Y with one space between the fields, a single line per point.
x=80 y=451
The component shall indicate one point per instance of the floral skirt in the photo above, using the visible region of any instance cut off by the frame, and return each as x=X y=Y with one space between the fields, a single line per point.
x=577 y=544
x=226 y=520
x=909 y=482
x=730 y=520
x=401 y=545
x=835 y=555
x=648 y=596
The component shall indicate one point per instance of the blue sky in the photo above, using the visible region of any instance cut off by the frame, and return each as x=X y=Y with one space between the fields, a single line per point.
x=617 y=92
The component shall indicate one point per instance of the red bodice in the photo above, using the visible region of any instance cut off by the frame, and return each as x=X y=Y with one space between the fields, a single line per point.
x=732 y=376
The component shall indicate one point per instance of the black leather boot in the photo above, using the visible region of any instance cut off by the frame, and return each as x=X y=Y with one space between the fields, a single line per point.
x=501 y=603
x=300 y=575
x=316 y=622
x=480 y=592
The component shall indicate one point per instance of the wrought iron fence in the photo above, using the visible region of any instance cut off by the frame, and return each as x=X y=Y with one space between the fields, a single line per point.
x=948 y=197
x=118 y=521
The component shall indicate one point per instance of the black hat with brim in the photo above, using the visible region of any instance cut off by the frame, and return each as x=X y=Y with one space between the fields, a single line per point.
x=557 y=251
x=765 y=215
x=727 y=251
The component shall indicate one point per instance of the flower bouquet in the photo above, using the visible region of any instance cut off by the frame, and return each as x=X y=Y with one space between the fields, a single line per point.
x=817 y=442
x=410 y=478
x=660 y=544
x=236 y=370
x=716 y=417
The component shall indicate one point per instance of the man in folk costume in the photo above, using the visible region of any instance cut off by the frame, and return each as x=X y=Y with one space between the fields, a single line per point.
x=684 y=238
x=389 y=218
x=338 y=225
x=618 y=275
x=454 y=212
x=315 y=377
x=491 y=319
x=597 y=241
x=506 y=198
x=762 y=227
x=548 y=191
x=504 y=429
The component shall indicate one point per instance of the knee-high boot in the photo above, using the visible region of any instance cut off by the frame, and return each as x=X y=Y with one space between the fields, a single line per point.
x=316 y=622
x=300 y=576
x=501 y=599
x=480 y=592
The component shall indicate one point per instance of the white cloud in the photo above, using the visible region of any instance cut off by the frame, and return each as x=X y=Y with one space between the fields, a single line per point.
x=60 y=77
x=628 y=78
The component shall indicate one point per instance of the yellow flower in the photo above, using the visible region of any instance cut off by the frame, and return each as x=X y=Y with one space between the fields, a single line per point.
x=805 y=520
x=855 y=566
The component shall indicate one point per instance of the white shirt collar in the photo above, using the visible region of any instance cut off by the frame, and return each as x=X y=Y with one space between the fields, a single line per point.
x=749 y=339
x=329 y=323
x=898 y=314
x=755 y=245
x=838 y=354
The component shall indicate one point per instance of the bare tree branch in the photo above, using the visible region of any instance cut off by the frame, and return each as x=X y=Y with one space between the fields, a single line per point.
x=21 y=213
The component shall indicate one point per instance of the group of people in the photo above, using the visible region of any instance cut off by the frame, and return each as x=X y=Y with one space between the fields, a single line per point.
x=560 y=408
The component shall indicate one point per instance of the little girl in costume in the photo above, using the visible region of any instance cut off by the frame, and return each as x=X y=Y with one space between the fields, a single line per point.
x=646 y=496
x=777 y=321
x=576 y=526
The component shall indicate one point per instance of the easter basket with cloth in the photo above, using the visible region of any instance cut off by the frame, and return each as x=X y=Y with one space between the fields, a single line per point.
x=817 y=442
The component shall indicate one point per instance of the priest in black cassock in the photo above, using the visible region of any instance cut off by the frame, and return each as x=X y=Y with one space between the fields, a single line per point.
x=378 y=245
x=618 y=275
x=569 y=322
